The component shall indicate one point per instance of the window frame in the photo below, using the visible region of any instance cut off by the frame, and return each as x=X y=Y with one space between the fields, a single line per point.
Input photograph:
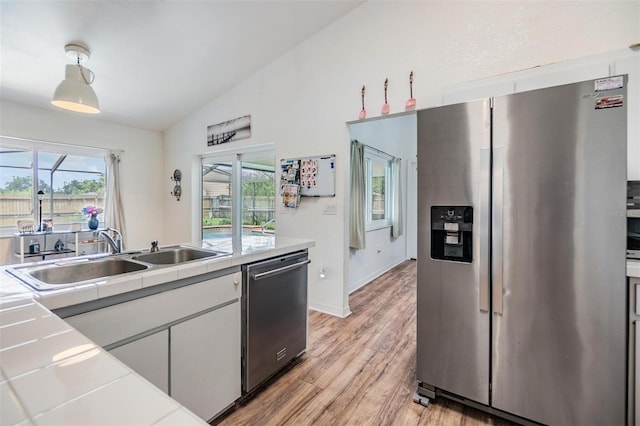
x=372 y=155
x=236 y=157
x=34 y=147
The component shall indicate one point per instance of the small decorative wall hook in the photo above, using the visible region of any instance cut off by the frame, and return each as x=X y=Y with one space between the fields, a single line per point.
x=177 y=189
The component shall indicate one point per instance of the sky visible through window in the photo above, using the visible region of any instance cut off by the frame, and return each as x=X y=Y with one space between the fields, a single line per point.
x=68 y=181
x=15 y=163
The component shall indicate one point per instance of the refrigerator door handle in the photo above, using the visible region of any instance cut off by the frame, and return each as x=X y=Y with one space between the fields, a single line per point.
x=483 y=234
x=498 y=194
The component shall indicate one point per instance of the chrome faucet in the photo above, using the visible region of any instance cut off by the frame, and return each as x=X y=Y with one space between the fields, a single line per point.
x=154 y=246
x=115 y=241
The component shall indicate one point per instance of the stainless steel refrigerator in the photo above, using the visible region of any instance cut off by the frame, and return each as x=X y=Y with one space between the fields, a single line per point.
x=521 y=301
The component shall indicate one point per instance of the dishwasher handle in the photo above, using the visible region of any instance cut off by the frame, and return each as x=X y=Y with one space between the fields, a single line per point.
x=277 y=271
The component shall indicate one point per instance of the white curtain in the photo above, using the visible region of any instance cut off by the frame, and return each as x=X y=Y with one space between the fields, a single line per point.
x=115 y=211
x=358 y=194
x=396 y=201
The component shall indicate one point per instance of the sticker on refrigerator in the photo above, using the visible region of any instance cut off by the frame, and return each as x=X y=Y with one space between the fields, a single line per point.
x=610 y=83
x=608 y=102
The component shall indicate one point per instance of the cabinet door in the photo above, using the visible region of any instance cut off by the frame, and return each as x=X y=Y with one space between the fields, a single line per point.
x=635 y=289
x=205 y=361
x=637 y=374
x=149 y=357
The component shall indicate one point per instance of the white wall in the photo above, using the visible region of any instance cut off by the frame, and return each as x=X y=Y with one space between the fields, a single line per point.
x=397 y=136
x=301 y=101
x=623 y=61
x=143 y=180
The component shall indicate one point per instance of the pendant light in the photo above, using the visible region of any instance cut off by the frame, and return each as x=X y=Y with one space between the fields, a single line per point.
x=74 y=93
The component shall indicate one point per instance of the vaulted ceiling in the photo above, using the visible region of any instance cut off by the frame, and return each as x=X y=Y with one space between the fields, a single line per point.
x=154 y=61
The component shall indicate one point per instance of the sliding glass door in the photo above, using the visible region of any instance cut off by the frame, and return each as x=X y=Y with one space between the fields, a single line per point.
x=238 y=195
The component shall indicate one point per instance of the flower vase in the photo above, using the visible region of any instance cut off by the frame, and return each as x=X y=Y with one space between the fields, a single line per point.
x=93 y=222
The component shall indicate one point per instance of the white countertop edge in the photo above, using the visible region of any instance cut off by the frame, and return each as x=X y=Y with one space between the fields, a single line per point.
x=91 y=289
x=15 y=295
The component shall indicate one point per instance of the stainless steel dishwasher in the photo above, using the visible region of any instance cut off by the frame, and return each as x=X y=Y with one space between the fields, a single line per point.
x=274 y=316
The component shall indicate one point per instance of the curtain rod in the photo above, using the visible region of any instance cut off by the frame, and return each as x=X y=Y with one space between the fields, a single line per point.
x=39 y=142
x=379 y=151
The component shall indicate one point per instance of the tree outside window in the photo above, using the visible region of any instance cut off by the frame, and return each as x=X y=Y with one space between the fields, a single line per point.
x=238 y=193
x=69 y=183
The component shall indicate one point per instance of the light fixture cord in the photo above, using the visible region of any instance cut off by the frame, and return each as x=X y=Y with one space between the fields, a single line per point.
x=82 y=73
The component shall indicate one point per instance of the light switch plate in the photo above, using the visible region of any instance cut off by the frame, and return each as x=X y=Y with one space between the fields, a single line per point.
x=329 y=209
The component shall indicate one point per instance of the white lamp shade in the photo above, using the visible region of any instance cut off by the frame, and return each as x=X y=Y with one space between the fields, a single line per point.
x=74 y=94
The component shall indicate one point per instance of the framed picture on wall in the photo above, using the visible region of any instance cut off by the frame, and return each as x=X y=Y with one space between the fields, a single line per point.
x=228 y=131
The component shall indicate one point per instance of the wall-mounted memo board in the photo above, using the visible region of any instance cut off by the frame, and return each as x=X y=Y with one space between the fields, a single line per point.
x=315 y=175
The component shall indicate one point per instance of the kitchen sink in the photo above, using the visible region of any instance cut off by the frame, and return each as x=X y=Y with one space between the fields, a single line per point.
x=175 y=255
x=64 y=274
x=67 y=273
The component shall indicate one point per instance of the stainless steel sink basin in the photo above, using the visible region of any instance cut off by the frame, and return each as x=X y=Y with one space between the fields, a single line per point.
x=64 y=274
x=175 y=255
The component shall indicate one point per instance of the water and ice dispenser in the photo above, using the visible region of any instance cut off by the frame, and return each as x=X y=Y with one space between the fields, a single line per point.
x=451 y=233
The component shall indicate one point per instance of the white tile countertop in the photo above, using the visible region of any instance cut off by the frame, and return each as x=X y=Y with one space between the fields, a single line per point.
x=51 y=374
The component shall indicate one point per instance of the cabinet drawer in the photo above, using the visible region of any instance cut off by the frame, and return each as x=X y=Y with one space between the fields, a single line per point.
x=114 y=323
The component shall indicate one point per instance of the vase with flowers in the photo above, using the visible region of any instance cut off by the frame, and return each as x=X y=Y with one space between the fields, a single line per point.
x=92 y=212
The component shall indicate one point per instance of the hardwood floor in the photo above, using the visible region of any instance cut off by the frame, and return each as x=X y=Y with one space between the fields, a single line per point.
x=358 y=370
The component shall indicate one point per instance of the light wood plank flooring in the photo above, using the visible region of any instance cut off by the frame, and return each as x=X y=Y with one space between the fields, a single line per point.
x=358 y=370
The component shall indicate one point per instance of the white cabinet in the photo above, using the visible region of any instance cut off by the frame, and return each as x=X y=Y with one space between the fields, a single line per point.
x=631 y=67
x=620 y=62
x=637 y=378
x=118 y=322
x=184 y=340
x=634 y=351
x=205 y=361
x=149 y=357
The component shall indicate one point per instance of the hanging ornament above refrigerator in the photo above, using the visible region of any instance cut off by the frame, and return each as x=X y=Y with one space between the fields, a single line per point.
x=363 y=112
x=385 y=107
x=411 y=102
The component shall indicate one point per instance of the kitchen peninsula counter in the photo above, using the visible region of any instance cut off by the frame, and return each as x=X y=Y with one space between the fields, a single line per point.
x=52 y=374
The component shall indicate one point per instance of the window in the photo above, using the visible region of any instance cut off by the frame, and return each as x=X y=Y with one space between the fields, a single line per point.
x=378 y=188
x=238 y=195
x=69 y=179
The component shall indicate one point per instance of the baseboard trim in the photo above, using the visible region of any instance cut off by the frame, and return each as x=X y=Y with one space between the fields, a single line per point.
x=374 y=275
x=330 y=310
